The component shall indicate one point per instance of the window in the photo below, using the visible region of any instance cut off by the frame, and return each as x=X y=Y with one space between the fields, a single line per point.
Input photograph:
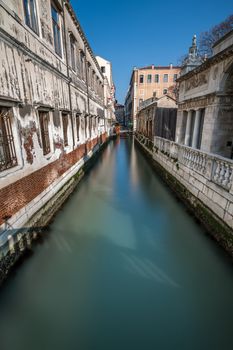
x=103 y=70
x=56 y=30
x=65 y=123
x=165 y=91
x=30 y=14
x=165 y=78
x=72 y=52
x=82 y=64
x=78 y=125
x=156 y=78
x=141 y=79
x=44 y=127
x=149 y=78
x=7 y=148
x=140 y=102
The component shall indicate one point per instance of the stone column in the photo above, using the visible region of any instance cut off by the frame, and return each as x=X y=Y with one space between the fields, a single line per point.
x=196 y=128
x=188 y=128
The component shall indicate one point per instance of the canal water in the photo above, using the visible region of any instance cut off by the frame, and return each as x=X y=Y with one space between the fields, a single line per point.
x=123 y=266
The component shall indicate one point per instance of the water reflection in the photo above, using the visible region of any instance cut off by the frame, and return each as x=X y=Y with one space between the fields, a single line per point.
x=123 y=267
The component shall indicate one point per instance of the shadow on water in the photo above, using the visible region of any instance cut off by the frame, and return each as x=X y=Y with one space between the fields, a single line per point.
x=123 y=267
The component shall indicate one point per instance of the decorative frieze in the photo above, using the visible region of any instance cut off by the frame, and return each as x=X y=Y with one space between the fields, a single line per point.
x=199 y=102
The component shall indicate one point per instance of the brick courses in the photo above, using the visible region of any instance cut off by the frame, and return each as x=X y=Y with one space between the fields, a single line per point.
x=17 y=195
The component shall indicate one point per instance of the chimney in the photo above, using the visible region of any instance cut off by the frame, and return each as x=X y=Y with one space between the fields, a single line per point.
x=152 y=66
x=171 y=66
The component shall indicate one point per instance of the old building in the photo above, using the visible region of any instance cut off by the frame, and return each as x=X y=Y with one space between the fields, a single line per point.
x=120 y=114
x=148 y=82
x=51 y=105
x=157 y=117
x=109 y=91
x=198 y=166
x=206 y=102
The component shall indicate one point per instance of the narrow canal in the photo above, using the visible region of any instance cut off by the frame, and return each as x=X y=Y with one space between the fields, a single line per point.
x=124 y=266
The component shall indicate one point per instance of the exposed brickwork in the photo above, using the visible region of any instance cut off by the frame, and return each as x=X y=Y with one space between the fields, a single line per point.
x=17 y=195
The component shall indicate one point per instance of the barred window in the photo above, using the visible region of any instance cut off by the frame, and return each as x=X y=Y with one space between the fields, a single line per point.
x=65 y=123
x=44 y=127
x=7 y=148
x=78 y=125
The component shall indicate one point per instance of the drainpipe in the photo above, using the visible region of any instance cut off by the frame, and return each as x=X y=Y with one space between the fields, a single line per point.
x=68 y=73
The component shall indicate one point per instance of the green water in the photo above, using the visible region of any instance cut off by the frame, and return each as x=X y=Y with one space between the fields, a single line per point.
x=124 y=266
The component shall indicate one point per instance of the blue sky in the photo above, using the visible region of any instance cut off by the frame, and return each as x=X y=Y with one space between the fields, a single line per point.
x=137 y=33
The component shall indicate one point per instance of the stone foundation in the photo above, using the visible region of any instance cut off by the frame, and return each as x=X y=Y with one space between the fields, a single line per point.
x=179 y=179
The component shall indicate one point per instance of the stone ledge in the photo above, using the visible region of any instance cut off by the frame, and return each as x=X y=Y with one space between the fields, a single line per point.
x=214 y=225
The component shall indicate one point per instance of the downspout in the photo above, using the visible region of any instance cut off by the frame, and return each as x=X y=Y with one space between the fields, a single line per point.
x=68 y=74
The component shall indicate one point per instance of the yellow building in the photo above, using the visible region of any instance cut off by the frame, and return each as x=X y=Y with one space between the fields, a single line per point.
x=147 y=82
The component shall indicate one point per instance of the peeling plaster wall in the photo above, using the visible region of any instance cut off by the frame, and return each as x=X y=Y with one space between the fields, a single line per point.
x=33 y=78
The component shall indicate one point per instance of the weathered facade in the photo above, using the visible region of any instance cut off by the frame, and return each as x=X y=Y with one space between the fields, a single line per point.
x=197 y=165
x=120 y=114
x=206 y=103
x=149 y=82
x=109 y=92
x=51 y=105
x=157 y=117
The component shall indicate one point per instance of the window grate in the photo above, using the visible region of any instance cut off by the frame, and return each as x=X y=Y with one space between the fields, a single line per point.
x=65 y=129
x=7 y=148
x=44 y=126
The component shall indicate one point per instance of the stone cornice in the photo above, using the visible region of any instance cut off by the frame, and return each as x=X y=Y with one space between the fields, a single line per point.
x=81 y=32
x=198 y=102
x=207 y=64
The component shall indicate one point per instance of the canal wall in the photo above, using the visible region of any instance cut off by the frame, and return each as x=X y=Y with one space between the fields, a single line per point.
x=202 y=181
x=27 y=222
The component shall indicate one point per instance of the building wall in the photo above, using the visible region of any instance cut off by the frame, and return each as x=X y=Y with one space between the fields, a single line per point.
x=208 y=89
x=37 y=81
x=142 y=90
x=199 y=184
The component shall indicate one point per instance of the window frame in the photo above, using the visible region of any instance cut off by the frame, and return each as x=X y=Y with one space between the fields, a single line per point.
x=7 y=141
x=73 y=60
x=149 y=80
x=167 y=78
x=30 y=9
x=44 y=119
x=78 y=124
x=65 y=128
x=56 y=25
x=157 y=80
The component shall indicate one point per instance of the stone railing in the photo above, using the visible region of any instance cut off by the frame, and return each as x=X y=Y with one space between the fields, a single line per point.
x=213 y=167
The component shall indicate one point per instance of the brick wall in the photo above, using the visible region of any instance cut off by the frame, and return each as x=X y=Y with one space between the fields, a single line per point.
x=17 y=195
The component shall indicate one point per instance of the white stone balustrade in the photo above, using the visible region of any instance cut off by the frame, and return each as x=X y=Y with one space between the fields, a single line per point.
x=215 y=168
x=223 y=173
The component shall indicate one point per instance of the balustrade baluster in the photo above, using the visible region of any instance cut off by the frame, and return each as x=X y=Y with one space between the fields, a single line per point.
x=227 y=176
x=222 y=172
x=217 y=172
